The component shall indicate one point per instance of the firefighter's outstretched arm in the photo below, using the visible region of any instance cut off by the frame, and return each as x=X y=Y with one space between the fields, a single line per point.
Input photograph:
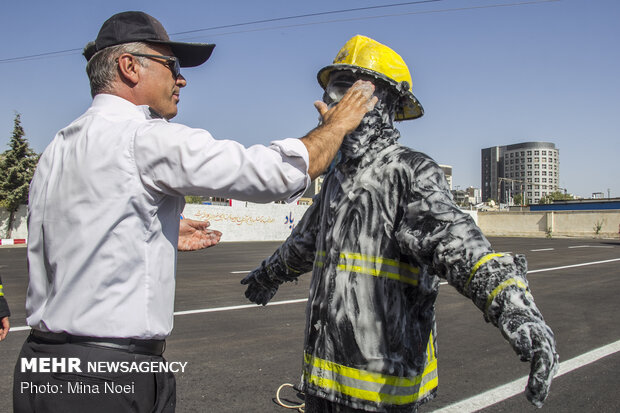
x=292 y=259
x=438 y=234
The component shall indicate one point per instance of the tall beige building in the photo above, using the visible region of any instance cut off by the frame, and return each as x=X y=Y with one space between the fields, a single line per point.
x=531 y=169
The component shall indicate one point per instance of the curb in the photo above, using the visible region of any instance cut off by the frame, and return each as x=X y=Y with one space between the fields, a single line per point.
x=13 y=241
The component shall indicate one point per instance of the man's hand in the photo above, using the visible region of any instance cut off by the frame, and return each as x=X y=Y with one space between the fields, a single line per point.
x=261 y=288
x=350 y=110
x=4 y=327
x=194 y=235
x=533 y=341
x=324 y=141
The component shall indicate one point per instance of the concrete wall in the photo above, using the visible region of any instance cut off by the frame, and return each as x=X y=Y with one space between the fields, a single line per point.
x=560 y=223
x=247 y=221
x=19 y=228
x=274 y=222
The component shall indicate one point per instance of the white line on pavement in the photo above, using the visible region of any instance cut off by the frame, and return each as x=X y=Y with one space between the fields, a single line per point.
x=591 y=246
x=543 y=249
x=513 y=388
x=239 y=272
x=300 y=300
x=238 y=307
x=573 y=266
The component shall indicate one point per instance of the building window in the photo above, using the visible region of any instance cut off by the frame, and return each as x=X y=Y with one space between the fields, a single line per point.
x=536 y=166
x=536 y=152
x=536 y=179
x=529 y=173
x=544 y=152
x=529 y=160
x=529 y=153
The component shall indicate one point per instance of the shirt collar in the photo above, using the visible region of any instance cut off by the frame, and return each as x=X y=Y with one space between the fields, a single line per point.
x=118 y=105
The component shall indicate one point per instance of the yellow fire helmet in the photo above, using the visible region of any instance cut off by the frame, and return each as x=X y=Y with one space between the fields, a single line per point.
x=370 y=57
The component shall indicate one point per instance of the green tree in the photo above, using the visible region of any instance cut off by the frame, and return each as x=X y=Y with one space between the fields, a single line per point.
x=193 y=199
x=555 y=196
x=17 y=166
x=518 y=199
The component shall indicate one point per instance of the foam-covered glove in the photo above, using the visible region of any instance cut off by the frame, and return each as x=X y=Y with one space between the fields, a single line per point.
x=533 y=341
x=261 y=286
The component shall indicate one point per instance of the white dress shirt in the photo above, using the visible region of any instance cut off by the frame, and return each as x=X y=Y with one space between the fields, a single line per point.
x=104 y=208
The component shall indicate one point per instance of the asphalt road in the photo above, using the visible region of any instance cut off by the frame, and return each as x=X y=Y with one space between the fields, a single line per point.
x=238 y=357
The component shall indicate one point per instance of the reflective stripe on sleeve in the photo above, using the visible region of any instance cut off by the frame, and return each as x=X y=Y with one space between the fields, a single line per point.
x=511 y=281
x=479 y=264
x=1 y=293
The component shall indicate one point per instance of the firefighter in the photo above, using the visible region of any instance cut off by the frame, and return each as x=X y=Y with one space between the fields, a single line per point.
x=378 y=237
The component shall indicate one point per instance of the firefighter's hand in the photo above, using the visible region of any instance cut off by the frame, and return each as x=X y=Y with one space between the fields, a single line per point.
x=533 y=341
x=261 y=288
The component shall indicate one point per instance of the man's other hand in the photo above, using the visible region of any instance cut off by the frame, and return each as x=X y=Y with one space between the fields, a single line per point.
x=4 y=327
x=194 y=235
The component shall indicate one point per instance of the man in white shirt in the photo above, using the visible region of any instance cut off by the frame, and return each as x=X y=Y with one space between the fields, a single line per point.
x=104 y=209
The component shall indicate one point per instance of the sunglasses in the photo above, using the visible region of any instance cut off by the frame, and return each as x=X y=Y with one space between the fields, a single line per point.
x=171 y=61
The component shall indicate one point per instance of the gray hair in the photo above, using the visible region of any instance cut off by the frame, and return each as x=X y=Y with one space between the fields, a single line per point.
x=102 y=67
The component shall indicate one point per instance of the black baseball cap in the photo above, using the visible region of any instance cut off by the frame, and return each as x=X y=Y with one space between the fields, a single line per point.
x=137 y=26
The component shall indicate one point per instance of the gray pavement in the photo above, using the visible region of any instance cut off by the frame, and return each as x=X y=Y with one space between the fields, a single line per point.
x=237 y=358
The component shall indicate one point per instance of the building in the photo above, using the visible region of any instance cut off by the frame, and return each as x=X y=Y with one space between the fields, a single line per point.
x=531 y=169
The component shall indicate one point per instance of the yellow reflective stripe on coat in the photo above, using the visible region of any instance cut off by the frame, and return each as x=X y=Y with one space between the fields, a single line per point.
x=511 y=281
x=1 y=293
x=479 y=264
x=370 y=386
x=375 y=266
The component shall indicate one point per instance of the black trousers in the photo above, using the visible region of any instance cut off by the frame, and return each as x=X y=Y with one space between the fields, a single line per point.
x=87 y=391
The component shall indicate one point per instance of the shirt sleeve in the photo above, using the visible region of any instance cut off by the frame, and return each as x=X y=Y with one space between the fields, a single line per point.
x=177 y=160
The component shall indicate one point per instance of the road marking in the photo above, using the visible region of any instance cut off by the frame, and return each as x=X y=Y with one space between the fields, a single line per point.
x=501 y=393
x=591 y=246
x=301 y=300
x=238 y=307
x=239 y=272
x=543 y=249
x=573 y=266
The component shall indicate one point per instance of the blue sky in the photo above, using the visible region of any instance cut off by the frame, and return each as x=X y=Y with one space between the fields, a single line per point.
x=488 y=72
